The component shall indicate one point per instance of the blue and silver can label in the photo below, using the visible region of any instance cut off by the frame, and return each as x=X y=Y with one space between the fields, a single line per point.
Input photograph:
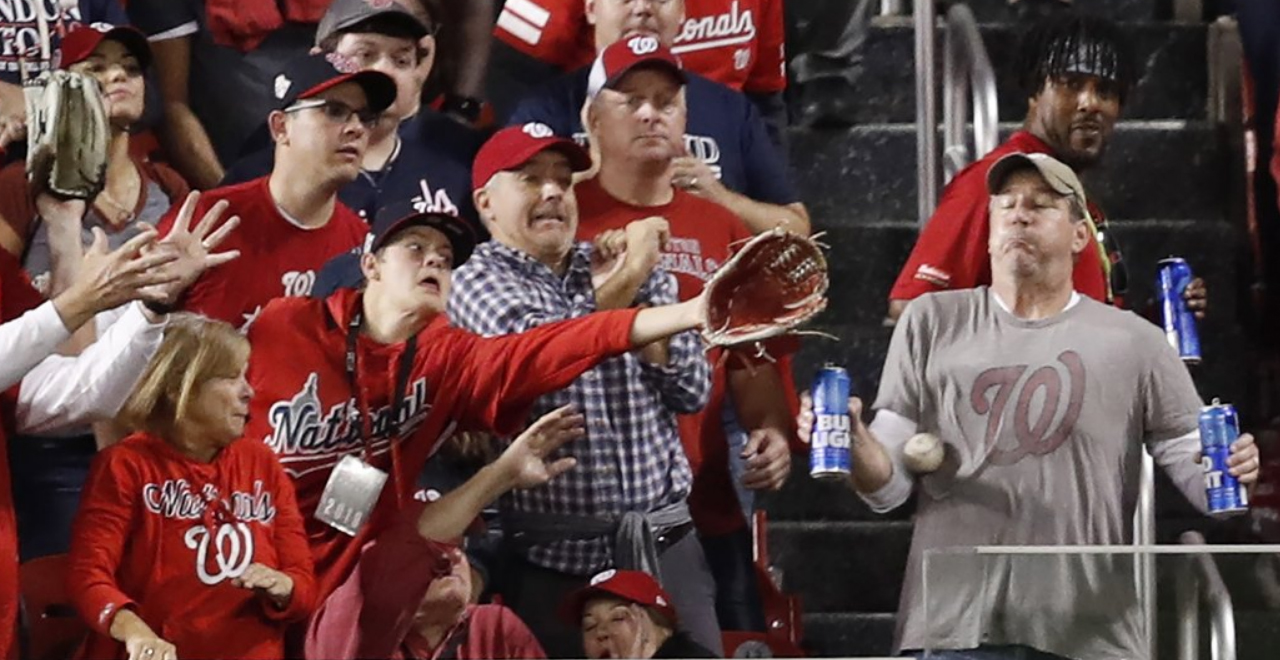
x=829 y=446
x=1179 y=323
x=1219 y=427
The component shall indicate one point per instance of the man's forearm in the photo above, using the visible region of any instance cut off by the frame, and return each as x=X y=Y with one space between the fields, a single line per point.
x=189 y=147
x=761 y=216
x=758 y=400
x=477 y=22
x=657 y=323
x=447 y=519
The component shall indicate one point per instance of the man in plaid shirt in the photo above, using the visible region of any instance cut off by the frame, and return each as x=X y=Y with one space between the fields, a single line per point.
x=623 y=505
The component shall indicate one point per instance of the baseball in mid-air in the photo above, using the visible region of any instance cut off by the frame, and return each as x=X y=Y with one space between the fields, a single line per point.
x=923 y=453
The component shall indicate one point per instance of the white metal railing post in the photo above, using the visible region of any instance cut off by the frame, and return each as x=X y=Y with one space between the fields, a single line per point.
x=926 y=111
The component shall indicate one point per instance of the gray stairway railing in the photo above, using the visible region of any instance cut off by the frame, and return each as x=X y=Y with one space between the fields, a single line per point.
x=1203 y=578
x=968 y=80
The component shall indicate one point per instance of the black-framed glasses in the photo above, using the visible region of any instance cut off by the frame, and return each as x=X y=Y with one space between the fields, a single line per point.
x=338 y=112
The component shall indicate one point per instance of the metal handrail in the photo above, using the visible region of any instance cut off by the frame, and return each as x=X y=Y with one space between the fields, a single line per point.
x=1204 y=579
x=968 y=78
x=967 y=72
x=1144 y=534
x=926 y=112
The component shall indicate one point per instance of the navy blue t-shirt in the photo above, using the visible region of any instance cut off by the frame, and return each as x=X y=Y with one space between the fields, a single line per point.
x=724 y=130
x=431 y=171
x=20 y=31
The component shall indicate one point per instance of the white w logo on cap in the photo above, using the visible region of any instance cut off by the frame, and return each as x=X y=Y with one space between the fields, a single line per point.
x=643 y=45
x=537 y=129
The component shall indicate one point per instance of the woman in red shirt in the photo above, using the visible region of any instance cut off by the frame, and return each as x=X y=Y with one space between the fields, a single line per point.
x=189 y=543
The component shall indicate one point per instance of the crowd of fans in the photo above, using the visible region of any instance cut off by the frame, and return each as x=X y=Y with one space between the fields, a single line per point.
x=271 y=418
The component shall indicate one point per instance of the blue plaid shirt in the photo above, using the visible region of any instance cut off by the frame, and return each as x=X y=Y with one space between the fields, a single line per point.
x=631 y=458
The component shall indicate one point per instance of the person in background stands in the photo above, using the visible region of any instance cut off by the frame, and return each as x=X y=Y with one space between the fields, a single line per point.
x=729 y=157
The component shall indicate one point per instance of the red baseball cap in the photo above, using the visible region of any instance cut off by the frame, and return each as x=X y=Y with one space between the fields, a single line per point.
x=620 y=57
x=636 y=586
x=80 y=41
x=513 y=146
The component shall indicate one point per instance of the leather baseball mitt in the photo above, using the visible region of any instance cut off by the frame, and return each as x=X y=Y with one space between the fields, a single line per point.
x=67 y=135
x=773 y=283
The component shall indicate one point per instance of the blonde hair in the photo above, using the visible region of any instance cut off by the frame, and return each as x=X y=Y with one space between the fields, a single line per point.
x=194 y=351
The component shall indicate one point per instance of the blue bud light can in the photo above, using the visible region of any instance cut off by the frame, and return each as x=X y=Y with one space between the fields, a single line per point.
x=1179 y=323
x=829 y=443
x=1218 y=429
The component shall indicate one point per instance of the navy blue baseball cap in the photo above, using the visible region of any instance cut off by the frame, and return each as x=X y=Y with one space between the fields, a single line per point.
x=395 y=218
x=307 y=76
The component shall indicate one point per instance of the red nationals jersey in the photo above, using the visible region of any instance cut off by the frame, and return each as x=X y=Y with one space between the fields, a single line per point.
x=703 y=236
x=146 y=539
x=17 y=297
x=738 y=43
x=305 y=410
x=278 y=258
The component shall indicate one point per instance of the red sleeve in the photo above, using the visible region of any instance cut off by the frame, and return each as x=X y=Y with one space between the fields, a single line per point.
x=951 y=252
x=553 y=31
x=17 y=209
x=291 y=547
x=368 y=615
x=498 y=378
x=17 y=295
x=105 y=521
x=769 y=73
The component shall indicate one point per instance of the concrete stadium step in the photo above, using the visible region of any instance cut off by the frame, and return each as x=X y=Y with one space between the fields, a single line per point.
x=842 y=566
x=850 y=634
x=1172 y=80
x=1155 y=169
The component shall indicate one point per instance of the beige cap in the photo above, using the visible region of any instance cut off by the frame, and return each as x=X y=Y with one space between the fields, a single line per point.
x=1057 y=174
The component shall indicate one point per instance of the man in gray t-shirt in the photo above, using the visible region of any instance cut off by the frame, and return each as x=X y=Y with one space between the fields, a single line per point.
x=1043 y=400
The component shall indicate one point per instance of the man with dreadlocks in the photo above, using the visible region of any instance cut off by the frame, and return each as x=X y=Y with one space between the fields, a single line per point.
x=1076 y=71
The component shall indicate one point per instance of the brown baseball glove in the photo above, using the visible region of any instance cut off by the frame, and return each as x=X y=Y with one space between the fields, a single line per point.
x=67 y=135
x=772 y=284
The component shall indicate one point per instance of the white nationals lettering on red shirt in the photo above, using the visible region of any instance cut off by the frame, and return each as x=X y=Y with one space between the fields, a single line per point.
x=176 y=499
x=684 y=255
x=717 y=30
x=308 y=438
x=222 y=553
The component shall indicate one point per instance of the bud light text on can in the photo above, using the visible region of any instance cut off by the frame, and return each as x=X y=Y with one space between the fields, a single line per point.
x=1179 y=323
x=1219 y=427
x=829 y=446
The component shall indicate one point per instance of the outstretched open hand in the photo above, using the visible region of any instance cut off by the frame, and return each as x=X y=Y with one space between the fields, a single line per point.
x=525 y=460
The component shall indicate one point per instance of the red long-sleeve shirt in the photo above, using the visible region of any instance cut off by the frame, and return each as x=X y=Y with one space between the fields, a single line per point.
x=17 y=297
x=142 y=540
x=304 y=401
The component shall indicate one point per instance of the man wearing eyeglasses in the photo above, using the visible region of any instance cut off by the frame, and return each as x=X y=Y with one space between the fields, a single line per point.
x=291 y=219
x=636 y=118
x=415 y=154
